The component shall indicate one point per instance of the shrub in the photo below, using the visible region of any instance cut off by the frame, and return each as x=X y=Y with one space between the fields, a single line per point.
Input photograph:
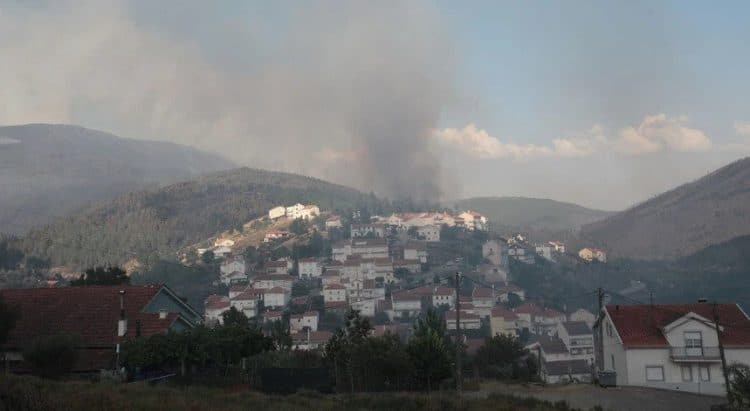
x=52 y=356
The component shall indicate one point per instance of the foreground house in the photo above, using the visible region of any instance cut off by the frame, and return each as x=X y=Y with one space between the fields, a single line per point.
x=103 y=317
x=673 y=346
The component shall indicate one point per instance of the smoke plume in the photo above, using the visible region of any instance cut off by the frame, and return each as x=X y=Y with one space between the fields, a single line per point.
x=345 y=91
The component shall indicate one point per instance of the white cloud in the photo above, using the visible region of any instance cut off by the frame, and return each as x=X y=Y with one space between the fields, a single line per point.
x=659 y=132
x=742 y=128
x=479 y=143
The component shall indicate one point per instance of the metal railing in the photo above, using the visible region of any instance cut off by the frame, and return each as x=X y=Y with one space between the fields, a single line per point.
x=694 y=353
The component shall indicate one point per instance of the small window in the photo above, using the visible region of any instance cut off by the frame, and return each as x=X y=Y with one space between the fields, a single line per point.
x=654 y=373
x=612 y=357
x=687 y=373
x=705 y=373
x=609 y=329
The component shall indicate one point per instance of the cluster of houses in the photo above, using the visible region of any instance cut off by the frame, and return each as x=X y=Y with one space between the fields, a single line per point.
x=293 y=212
x=424 y=226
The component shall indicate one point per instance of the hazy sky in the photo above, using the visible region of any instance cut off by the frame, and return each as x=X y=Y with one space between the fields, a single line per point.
x=599 y=103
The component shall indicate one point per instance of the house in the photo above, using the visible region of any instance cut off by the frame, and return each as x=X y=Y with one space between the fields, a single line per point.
x=503 y=293
x=413 y=266
x=330 y=277
x=341 y=250
x=292 y=212
x=558 y=246
x=416 y=250
x=429 y=233
x=503 y=322
x=222 y=251
x=103 y=317
x=592 y=254
x=443 y=296
x=368 y=230
x=545 y=320
x=273 y=235
x=672 y=346
x=308 y=212
x=268 y=281
x=556 y=363
x=492 y=251
x=584 y=315
x=473 y=220
x=405 y=304
x=231 y=265
x=247 y=302
x=278 y=267
x=234 y=277
x=273 y=316
x=334 y=293
x=493 y=273
x=483 y=297
x=307 y=320
x=213 y=308
x=276 y=212
x=310 y=340
x=578 y=338
x=334 y=221
x=369 y=248
x=276 y=297
x=545 y=251
x=467 y=320
x=367 y=307
x=309 y=268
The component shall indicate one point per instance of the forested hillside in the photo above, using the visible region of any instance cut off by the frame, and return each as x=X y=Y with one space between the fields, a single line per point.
x=157 y=222
x=49 y=170
x=711 y=210
x=532 y=213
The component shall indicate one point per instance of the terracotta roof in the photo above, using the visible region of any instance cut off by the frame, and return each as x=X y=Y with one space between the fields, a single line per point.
x=314 y=336
x=443 y=291
x=275 y=264
x=641 y=325
x=218 y=305
x=311 y=314
x=213 y=298
x=276 y=290
x=551 y=344
x=91 y=312
x=308 y=260
x=250 y=294
x=336 y=305
x=273 y=277
x=273 y=314
x=481 y=293
x=331 y=273
x=528 y=308
x=451 y=316
x=506 y=314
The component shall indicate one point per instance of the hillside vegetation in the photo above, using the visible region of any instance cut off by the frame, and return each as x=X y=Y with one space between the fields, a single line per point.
x=711 y=210
x=158 y=222
x=532 y=214
x=49 y=170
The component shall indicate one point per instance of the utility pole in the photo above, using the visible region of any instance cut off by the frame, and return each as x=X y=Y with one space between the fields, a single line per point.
x=600 y=348
x=459 y=336
x=721 y=353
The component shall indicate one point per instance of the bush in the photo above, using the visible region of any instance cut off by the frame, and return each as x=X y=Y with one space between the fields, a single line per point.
x=52 y=356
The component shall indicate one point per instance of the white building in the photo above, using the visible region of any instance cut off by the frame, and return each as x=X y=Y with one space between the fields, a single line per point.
x=223 y=242
x=231 y=265
x=214 y=307
x=467 y=320
x=429 y=233
x=276 y=212
x=473 y=220
x=276 y=297
x=307 y=320
x=492 y=251
x=557 y=365
x=279 y=267
x=269 y=281
x=558 y=246
x=416 y=250
x=545 y=251
x=310 y=340
x=247 y=302
x=310 y=268
x=274 y=235
x=673 y=347
x=334 y=293
x=334 y=221
x=584 y=315
x=578 y=338
x=367 y=230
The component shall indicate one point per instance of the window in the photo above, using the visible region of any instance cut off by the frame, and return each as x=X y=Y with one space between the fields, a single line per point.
x=612 y=357
x=687 y=373
x=693 y=343
x=654 y=373
x=705 y=373
x=609 y=329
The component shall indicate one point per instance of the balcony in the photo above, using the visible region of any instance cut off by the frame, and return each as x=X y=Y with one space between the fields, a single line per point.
x=693 y=354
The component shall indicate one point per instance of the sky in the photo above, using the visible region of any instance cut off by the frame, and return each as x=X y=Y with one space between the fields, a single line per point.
x=604 y=103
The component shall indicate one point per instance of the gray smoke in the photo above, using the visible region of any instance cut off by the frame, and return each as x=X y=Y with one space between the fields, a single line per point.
x=345 y=91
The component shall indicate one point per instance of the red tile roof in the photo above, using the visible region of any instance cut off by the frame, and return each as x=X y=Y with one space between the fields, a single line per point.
x=334 y=286
x=641 y=325
x=506 y=314
x=481 y=293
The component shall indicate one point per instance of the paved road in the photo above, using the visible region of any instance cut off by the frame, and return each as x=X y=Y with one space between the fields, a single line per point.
x=616 y=399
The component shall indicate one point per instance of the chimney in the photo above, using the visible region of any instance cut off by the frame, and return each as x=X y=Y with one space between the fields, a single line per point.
x=702 y=300
x=163 y=314
x=122 y=324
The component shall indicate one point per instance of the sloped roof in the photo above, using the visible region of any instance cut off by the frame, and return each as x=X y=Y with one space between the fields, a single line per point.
x=334 y=286
x=506 y=314
x=577 y=328
x=481 y=292
x=641 y=325
x=567 y=367
x=552 y=344
x=91 y=312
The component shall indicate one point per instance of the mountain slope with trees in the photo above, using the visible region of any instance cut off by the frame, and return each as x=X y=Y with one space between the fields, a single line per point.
x=157 y=222
x=532 y=213
x=691 y=217
x=48 y=170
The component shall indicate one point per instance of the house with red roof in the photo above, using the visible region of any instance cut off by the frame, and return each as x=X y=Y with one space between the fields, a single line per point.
x=102 y=317
x=310 y=340
x=333 y=293
x=307 y=320
x=334 y=221
x=672 y=346
x=503 y=322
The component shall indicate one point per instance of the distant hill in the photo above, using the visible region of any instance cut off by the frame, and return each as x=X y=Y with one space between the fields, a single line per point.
x=157 y=222
x=48 y=170
x=710 y=210
x=534 y=214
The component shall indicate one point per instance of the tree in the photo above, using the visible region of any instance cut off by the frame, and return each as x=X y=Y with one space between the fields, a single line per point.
x=514 y=300
x=282 y=340
x=102 y=276
x=298 y=227
x=208 y=257
x=234 y=317
x=499 y=357
x=401 y=273
x=340 y=350
x=8 y=318
x=52 y=356
x=10 y=255
x=430 y=350
x=251 y=255
x=739 y=385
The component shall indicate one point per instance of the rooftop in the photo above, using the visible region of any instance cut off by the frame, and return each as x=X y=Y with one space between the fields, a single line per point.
x=577 y=328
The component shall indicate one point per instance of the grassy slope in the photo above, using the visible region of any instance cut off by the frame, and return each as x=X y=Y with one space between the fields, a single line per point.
x=160 y=221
